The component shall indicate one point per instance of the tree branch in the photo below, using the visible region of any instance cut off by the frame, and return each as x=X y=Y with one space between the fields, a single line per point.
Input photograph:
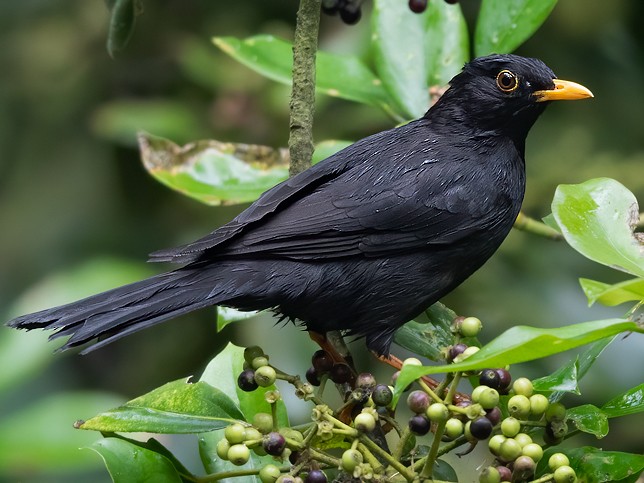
x=302 y=105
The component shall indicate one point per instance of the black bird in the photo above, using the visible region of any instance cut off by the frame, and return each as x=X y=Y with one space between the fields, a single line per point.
x=365 y=240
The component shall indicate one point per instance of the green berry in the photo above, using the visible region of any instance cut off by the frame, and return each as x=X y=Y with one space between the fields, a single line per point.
x=470 y=327
x=252 y=434
x=437 y=413
x=523 y=439
x=265 y=376
x=532 y=450
x=510 y=427
x=510 y=450
x=490 y=475
x=489 y=398
x=454 y=428
x=523 y=386
x=258 y=362
x=235 y=433
x=238 y=454
x=351 y=458
x=412 y=361
x=556 y=412
x=263 y=422
x=364 y=422
x=565 y=474
x=538 y=405
x=557 y=460
x=519 y=406
x=252 y=352
x=470 y=351
x=477 y=391
x=222 y=448
x=269 y=474
x=495 y=443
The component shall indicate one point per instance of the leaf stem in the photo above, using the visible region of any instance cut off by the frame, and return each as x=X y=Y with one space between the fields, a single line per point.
x=529 y=224
x=406 y=473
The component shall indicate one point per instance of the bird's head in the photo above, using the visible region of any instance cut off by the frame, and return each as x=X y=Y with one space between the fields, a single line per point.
x=503 y=94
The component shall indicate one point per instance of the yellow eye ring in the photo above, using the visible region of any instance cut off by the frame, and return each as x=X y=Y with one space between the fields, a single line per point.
x=507 y=81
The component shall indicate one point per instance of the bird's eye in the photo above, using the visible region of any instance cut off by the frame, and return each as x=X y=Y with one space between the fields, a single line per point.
x=507 y=81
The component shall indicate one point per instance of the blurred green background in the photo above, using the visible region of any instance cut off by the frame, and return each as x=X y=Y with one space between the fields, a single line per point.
x=79 y=214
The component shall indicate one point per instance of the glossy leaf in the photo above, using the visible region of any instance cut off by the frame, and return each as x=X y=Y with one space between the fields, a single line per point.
x=228 y=315
x=583 y=363
x=630 y=402
x=175 y=407
x=122 y=20
x=38 y=436
x=213 y=172
x=521 y=344
x=597 y=219
x=429 y=334
x=616 y=294
x=400 y=56
x=130 y=463
x=446 y=43
x=503 y=25
x=593 y=465
x=563 y=379
x=341 y=76
x=589 y=419
x=222 y=373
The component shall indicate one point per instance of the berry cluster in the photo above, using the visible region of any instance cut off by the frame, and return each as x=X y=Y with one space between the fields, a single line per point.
x=349 y=10
x=322 y=364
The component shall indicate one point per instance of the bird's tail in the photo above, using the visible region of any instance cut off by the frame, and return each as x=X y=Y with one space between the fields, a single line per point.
x=116 y=313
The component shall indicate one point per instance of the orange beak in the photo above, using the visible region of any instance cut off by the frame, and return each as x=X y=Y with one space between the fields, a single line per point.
x=563 y=91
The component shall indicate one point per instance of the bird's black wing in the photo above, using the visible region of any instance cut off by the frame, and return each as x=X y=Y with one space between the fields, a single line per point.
x=406 y=194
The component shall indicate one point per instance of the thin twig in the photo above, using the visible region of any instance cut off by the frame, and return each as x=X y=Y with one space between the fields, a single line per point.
x=526 y=223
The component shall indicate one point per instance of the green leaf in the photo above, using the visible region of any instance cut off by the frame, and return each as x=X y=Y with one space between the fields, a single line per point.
x=222 y=373
x=589 y=419
x=341 y=76
x=213 y=172
x=228 y=315
x=597 y=219
x=444 y=472
x=616 y=294
x=429 y=333
x=563 y=379
x=122 y=21
x=400 y=57
x=583 y=362
x=175 y=407
x=630 y=402
x=130 y=463
x=446 y=42
x=521 y=344
x=503 y=25
x=593 y=465
x=328 y=148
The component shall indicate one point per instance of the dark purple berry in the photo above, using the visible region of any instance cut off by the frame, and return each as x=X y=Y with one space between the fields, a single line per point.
x=322 y=362
x=451 y=2
x=351 y=14
x=455 y=350
x=418 y=401
x=365 y=381
x=417 y=6
x=481 y=428
x=341 y=373
x=274 y=443
x=382 y=395
x=494 y=415
x=330 y=7
x=315 y=476
x=505 y=379
x=419 y=424
x=294 y=457
x=505 y=473
x=312 y=376
x=246 y=381
x=490 y=378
